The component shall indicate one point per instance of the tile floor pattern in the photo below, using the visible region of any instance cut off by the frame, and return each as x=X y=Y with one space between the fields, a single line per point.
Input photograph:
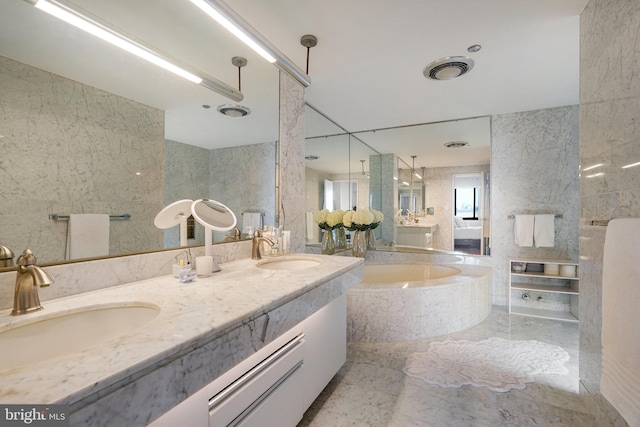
x=371 y=389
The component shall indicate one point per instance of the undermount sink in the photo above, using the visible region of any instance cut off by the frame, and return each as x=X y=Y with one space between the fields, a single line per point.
x=289 y=263
x=53 y=335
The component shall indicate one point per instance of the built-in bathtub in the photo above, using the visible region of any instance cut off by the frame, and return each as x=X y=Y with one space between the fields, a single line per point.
x=400 y=302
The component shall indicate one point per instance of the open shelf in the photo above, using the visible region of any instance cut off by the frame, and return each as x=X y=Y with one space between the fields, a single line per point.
x=544 y=314
x=550 y=284
x=545 y=288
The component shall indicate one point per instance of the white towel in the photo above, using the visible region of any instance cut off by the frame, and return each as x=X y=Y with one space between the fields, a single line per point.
x=310 y=225
x=544 y=231
x=523 y=230
x=87 y=236
x=620 y=379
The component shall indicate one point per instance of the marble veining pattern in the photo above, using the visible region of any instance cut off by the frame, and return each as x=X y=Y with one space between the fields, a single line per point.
x=291 y=147
x=220 y=318
x=534 y=169
x=609 y=109
x=439 y=307
x=87 y=146
x=371 y=390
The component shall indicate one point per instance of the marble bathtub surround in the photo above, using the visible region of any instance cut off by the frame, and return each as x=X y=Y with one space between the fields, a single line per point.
x=203 y=329
x=425 y=309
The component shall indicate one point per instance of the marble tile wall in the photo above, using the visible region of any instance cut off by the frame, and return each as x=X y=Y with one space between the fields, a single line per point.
x=186 y=170
x=86 y=276
x=75 y=149
x=244 y=179
x=534 y=169
x=383 y=190
x=291 y=161
x=609 y=109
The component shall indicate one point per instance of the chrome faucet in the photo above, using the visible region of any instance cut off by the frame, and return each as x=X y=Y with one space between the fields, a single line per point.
x=30 y=276
x=257 y=240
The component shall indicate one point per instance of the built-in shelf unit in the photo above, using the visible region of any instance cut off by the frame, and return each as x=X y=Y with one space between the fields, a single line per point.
x=544 y=288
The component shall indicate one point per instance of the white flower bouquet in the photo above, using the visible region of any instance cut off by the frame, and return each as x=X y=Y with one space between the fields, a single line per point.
x=364 y=219
x=329 y=220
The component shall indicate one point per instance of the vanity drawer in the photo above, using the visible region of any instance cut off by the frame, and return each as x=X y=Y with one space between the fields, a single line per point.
x=265 y=395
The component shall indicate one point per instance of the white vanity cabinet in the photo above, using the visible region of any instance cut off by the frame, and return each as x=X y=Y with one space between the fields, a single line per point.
x=544 y=288
x=276 y=385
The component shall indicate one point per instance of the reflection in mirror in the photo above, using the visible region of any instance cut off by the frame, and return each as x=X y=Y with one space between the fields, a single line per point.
x=339 y=172
x=87 y=129
x=428 y=193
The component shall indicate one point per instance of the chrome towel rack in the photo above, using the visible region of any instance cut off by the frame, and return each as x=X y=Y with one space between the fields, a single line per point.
x=56 y=217
x=513 y=216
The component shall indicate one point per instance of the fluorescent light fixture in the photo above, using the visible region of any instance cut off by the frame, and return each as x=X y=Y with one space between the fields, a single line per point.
x=631 y=165
x=405 y=183
x=595 y=175
x=215 y=13
x=593 y=167
x=92 y=26
x=235 y=24
x=395 y=178
x=417 y=175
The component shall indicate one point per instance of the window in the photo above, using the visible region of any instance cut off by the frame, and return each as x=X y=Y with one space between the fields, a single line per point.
x=467 y=202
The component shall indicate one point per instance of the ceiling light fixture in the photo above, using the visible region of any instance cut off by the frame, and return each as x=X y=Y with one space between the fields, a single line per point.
x=236 y=25
x=363 y=172
x=93 y=26
x=631 y=165
x=234 y=110
x=474 y=48
x=448 y=68
x=308 y=41
x=592 y=167
x=456 y=144
x=311 y=157
x=413 y=167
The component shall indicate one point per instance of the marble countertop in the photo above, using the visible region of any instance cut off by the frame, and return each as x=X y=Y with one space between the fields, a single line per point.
x=191 y=314
x=419 y=225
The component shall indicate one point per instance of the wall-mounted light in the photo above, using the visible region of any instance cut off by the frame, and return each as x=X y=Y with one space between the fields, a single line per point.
x=235 y=24
x=93 y=26
x=595 y=175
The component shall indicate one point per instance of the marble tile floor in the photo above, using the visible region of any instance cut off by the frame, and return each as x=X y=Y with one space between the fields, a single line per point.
x=371 y=389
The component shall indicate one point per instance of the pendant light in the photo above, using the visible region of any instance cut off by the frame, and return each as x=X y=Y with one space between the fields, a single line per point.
x=235 y=110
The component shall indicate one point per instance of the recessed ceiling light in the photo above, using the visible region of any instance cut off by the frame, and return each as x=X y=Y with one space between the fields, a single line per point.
x=474 y=48
x=206 y=106
x=311 y=157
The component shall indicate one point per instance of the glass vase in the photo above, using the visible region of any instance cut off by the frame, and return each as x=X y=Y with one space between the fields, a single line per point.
x=359 y=246
x=370 y=239
x=341 y=238
x=328 y=244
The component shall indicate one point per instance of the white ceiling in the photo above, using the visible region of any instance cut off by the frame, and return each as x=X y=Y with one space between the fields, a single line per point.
x=366 y=71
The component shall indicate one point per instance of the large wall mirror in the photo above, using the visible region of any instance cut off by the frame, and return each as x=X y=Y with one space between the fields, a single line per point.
x=415 y=177
x=88 y=128
x=341 y=172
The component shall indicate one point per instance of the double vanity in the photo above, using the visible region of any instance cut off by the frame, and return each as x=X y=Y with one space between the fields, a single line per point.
x=257 y=340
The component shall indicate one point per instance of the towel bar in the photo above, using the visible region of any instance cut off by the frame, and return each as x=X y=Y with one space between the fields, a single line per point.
x=513 y=216
x=56 y=217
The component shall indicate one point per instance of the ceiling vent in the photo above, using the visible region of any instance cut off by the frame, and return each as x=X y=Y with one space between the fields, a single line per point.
x=456 y=144
x=448 y=68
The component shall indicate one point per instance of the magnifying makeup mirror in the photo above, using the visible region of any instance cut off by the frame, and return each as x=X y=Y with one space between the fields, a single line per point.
x=174 y=214
x=214 y=216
